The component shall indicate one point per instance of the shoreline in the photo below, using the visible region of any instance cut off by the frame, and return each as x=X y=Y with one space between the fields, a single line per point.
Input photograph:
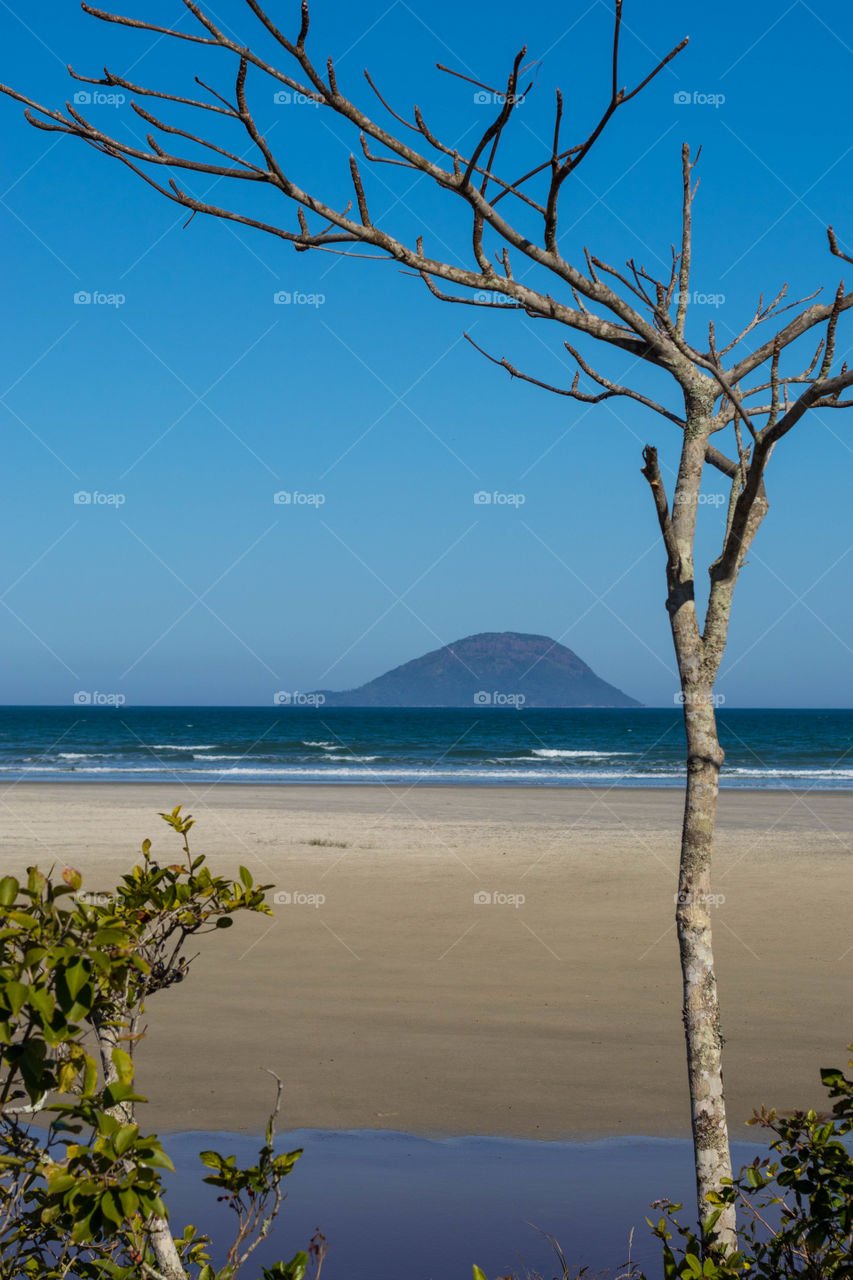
x=402 y=1004
x=597 y=790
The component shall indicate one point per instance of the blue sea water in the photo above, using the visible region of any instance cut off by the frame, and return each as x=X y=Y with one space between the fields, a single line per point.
x=811 y=750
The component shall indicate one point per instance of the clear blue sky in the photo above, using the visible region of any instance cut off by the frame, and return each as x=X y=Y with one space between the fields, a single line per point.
x=199 y=398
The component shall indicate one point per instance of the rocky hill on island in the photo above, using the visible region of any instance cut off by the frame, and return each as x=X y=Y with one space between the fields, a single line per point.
x=495 y=668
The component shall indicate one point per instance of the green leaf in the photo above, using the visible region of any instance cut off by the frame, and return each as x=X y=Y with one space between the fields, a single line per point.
x=293 y=1270
x=82 y=1229
x=111 y=1208
x=82 y=1005
x=125 y=1138
x=8 y=891
x=76 y=976
x=156 y=1158
x=224 y=922
x=478 y=1274
x=284 y=1163
x=42 y=1001
x=77 y=1003
x=35 y=880
x=129 y=1201
x=90 y=1077
x=58 y=1182
x=212 y=1159
x=15 y=995
x=110 y=938
x=115 y=1093
x=123 y=1064
x=246 y=877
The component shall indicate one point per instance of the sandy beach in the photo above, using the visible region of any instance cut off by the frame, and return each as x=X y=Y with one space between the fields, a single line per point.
x=388 y=997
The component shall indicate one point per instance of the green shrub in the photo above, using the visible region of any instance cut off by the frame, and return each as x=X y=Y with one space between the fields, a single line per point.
x=81 y=1195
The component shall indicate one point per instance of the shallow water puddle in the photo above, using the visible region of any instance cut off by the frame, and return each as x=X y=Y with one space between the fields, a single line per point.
x=391 y=1205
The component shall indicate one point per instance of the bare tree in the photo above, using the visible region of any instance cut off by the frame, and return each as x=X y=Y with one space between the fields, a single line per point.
x=754 y=397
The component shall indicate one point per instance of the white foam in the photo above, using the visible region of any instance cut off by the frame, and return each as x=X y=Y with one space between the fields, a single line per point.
x=352 y=768
x=749 y=772
x=354 y=759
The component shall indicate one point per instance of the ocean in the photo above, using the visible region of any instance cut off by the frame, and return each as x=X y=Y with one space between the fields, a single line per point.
x=482 y=746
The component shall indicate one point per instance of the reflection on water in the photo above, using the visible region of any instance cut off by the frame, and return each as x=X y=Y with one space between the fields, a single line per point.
x=392 y=1206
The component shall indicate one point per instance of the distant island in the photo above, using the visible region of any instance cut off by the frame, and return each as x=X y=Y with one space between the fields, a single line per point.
x=495 y=668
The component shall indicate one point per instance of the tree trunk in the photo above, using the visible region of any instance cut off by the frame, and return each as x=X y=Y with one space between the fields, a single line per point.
x=106 y=1029
x=693 y=919
x=106 y=1026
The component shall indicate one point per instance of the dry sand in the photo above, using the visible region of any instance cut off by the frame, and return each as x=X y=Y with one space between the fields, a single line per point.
x=402 y=1003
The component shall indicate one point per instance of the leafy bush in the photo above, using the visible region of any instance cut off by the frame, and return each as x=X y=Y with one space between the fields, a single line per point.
x=796 y=1207
x=81 y=1195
